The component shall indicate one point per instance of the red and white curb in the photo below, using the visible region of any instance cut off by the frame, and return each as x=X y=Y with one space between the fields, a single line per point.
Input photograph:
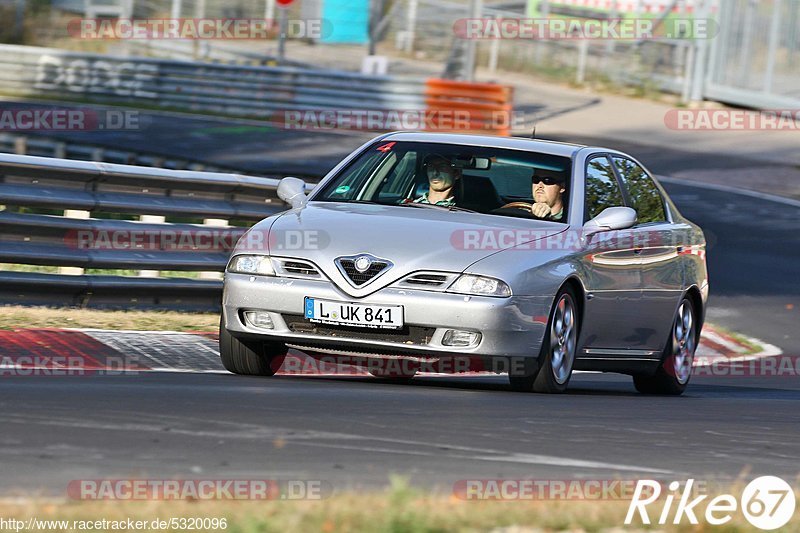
x=66 y=351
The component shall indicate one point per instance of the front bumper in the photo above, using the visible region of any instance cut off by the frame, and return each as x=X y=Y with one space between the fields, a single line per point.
x=509 y=327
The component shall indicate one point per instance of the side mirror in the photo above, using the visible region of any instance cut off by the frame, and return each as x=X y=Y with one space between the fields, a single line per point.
x=611 y=218
x=292 y=191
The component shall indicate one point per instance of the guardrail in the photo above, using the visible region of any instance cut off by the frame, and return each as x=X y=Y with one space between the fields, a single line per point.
x=70 y=240
x=252 y=91
x=206 y=51
x=263 y=92
x=63 y=149
x=488 y=105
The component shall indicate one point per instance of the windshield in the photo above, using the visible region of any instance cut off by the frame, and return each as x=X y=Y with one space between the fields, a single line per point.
x=485 y=180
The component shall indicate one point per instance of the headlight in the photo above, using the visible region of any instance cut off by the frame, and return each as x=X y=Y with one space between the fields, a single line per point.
x=251 y=264
x=480 y=285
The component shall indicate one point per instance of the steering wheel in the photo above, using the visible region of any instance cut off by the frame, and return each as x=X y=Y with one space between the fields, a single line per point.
x=518 y=205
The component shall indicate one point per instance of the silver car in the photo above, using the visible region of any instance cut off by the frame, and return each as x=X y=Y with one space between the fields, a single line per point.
x=453 y=253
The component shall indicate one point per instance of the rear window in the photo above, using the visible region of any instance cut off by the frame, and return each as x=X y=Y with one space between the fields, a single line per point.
x=644 y=194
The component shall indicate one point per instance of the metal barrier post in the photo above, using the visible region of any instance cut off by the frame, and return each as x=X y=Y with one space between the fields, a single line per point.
x=214 y=223
x=700 y=56
x=411 y=24
x=583 y=54
x=494 y=52
x=151 y=219
x=774 y=38
x=21 y=146
x=82 y=215
x=475 y=12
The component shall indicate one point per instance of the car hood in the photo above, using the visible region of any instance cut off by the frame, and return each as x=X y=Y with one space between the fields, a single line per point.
x=413 y=239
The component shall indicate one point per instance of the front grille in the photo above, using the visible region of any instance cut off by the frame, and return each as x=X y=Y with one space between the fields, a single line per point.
x=297 y=268
x=300 y=268
x=427 y=280
x=407 y=334
x=360 y=278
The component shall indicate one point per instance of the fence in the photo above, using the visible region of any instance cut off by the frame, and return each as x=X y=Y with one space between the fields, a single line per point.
x=425 y=29
x=752 y=61
x=31 y=186
x=755 y=61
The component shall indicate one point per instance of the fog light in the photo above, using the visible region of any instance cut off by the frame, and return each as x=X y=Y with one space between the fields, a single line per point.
x=457 y=337
x=258 y=319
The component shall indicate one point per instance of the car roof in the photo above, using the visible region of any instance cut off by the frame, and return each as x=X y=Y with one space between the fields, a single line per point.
x=515 y=143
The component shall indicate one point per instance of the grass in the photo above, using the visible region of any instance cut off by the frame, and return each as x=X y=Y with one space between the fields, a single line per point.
x=398 y=509
x=14 y=317
x=751 y=347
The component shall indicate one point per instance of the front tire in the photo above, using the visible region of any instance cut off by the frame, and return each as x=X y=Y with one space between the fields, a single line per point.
x=675 y=370
x=249 y=358
x=557 y=355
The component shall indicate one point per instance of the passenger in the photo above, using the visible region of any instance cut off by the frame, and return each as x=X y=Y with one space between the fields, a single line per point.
x=442 y=179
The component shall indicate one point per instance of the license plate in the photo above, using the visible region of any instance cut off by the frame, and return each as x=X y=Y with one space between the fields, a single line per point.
x=360 y=315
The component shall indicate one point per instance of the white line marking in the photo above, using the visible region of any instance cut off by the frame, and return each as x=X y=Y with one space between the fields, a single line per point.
x=519 y=458
x=313 y=438
x=730 y=344
x=733 y=190
x=562 y=461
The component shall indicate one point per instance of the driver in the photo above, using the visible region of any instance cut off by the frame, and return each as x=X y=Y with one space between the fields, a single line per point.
x=442 y=178
x=547 y=189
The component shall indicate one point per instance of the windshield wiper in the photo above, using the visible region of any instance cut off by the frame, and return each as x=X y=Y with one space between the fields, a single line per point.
x=463 y=209
x=439 y=207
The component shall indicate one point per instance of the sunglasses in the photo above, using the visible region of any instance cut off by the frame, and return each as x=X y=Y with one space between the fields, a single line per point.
x=440 y=168
x=547 y=181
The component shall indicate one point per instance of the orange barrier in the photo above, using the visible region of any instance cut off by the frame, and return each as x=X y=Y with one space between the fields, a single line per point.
x=467 y=107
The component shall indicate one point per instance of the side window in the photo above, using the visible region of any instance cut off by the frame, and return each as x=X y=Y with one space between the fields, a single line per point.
x=642 y=191
x=602 y=190
x=352 y=181
x=401 y=176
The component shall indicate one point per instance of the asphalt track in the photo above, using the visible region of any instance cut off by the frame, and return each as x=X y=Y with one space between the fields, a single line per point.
x=355 y=432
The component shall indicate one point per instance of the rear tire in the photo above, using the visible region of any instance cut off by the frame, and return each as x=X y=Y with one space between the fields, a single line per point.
x=559 y=346
x=251 y=358
x=675 y=371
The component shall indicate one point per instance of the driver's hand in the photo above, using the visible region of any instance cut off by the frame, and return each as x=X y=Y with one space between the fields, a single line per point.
x=540 y=210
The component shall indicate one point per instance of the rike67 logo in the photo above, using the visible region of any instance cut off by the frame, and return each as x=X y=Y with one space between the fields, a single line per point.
x=767 y=502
